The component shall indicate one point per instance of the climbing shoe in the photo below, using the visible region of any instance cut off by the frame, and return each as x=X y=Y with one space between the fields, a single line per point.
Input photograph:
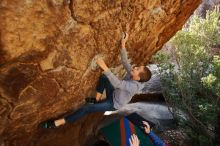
x=48 y=124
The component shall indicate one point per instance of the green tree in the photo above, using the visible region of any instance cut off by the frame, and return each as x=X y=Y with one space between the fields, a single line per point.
x=190 y=76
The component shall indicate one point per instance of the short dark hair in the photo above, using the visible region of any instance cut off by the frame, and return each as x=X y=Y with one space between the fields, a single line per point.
x=145 y=75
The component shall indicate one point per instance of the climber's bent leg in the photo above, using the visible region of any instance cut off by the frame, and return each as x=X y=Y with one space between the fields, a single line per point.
x=104 y=83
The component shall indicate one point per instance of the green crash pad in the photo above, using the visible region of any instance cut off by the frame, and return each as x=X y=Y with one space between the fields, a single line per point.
x=118 y=133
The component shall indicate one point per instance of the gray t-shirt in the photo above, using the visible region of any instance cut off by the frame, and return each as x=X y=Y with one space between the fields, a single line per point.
x=124 y=89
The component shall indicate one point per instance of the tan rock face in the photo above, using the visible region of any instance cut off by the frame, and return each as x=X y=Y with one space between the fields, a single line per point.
x=46 y=48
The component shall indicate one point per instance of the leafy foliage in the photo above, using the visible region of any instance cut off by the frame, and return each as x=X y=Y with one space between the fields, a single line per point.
x=190 y=76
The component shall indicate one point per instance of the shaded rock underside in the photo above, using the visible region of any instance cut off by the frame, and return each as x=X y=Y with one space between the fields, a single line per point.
x=46 y=48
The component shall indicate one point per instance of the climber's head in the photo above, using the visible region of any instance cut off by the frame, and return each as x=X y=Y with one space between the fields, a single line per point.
x=140 y=73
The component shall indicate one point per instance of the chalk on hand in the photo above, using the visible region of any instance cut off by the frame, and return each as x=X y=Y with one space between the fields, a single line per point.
x=123 y=34
x=93 y=64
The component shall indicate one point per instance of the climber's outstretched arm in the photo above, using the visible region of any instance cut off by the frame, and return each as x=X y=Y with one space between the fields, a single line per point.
x=124 y=55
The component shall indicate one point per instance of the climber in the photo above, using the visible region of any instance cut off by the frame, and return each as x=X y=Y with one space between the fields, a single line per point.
x=118 y=92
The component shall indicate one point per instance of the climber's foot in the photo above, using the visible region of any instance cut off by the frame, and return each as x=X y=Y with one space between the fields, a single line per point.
x=48 y=124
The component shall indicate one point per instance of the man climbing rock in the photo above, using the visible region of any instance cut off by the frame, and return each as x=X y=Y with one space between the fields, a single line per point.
x=118 y=92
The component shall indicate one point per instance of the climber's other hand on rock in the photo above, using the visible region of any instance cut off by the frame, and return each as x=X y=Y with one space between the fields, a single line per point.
x=102 y=64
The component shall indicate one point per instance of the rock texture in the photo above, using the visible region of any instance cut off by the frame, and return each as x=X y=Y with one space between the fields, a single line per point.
x=46 y=47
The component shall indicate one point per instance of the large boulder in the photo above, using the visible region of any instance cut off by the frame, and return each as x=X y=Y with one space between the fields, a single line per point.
x=46 y=50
